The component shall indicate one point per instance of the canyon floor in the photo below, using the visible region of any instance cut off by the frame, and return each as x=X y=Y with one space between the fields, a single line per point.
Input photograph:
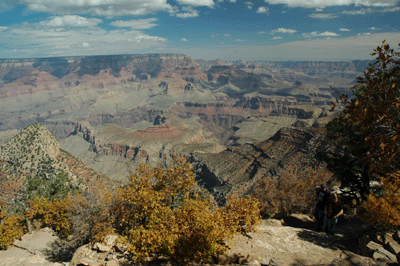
x=291 y=241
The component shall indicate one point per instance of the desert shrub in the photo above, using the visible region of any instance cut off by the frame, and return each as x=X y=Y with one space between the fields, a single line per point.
x=54 y=188
x=163 y=212
x=10 y=229
x=53 y=213
x=200 y=232
x=293 y=191
x=90 y=217
x=383 y=210
x=241 y=213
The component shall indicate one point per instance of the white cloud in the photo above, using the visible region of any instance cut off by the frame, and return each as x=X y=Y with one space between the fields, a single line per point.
x=71 y=21
x=240 y=40
x=283 y=30
x=325 y=3
x=373 y=28
x=42 y=40
x=227 y=35
x=106 y=8
x=6 y=5
x=322 y=15
x=138 y=24
x=190 y=12
x=262 y=9
x=209 y=3
x=364 y=11
x=262 y=32
x=322 y=34
x=249 y=5
x=344 y=29
x=184 y=40
x=3 y=28
x=277 y=38
x=319 y=9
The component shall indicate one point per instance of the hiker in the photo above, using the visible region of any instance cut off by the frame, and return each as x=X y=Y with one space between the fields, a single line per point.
x=322 y=200
x=332 y=212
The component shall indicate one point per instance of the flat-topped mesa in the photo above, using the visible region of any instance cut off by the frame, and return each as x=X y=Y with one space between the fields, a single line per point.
x=71 y=71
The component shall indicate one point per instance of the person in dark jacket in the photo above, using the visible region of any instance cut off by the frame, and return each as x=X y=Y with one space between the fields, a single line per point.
x=323 y=195
x=332 y=212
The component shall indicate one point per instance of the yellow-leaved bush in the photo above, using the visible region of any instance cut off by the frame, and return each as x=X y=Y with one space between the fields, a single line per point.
x=11 y=227
x=163 y=212
x=53 y=213
x=292 y=192
x=383 y=211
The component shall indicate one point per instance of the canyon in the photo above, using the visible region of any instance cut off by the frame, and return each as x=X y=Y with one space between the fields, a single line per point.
x=115 y=112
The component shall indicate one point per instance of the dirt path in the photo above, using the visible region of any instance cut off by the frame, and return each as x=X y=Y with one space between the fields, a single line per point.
x=31 y=251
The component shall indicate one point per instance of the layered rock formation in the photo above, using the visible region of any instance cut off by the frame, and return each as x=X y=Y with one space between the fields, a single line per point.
x=240 y=168
x=162 y=103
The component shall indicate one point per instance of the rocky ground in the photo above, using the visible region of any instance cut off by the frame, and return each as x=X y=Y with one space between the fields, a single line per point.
x=291 y=241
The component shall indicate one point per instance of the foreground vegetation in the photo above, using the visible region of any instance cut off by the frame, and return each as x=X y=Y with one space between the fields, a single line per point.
x=160 y=212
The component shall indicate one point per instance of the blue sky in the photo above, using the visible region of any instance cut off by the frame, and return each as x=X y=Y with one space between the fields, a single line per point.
x=203 y=29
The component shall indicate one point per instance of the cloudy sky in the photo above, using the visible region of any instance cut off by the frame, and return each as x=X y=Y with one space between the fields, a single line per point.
x=203 y=29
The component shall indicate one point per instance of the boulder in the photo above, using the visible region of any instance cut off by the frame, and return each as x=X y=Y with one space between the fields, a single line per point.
x=101 y=248
x=393 y=246
x=383 y=254
x=370 y=248
x=121 y=248
x=82 y=252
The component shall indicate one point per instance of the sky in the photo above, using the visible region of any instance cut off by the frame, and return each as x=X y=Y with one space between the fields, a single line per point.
x=202 y=29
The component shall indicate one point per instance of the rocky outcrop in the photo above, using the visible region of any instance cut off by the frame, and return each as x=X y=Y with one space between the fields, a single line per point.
x=239 y=168
x=223 y=75
x=380 y=246
x=86 y=129
x=35 y=153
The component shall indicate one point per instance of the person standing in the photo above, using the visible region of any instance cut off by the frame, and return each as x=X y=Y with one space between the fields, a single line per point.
x=332 y=212
x=323 y=195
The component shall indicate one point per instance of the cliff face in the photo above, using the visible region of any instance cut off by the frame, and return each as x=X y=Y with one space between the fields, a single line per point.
x=240 y=168
x=27 y=76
